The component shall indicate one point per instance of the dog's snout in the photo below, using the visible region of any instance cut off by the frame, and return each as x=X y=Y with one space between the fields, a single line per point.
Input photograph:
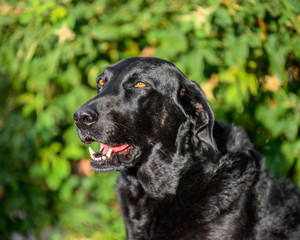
x=85 y=116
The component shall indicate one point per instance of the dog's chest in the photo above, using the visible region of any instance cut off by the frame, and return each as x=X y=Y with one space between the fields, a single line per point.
x=147 y=218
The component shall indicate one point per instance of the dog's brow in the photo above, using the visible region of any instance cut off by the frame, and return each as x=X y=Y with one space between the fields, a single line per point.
x=99 y=76
x=106 y=73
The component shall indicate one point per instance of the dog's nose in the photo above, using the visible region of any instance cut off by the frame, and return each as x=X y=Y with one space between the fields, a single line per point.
x=85 y=116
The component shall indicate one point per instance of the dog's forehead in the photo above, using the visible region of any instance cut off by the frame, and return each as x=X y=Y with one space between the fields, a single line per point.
x=158 y=70
x=140 y=62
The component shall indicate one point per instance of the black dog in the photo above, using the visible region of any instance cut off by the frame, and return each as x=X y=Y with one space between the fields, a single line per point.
x=183 y=175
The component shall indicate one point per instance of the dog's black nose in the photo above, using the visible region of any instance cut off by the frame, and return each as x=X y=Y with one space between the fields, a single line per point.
x=85 y=116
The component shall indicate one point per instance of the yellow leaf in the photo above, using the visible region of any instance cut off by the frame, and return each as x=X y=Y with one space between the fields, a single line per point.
x=65 y=33
x=271 y=83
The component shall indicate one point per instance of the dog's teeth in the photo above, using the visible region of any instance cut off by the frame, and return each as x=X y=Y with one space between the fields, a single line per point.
x=91 y=151
x=109 y=153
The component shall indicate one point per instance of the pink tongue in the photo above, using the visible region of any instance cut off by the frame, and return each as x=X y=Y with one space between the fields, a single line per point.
x=113 y=148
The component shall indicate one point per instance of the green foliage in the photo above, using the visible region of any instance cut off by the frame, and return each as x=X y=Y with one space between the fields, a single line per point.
x=245 y=55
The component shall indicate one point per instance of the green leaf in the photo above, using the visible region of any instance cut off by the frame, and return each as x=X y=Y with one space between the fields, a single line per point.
x=293 y=5
x=66 y=191
x=223 y=18
x=211 y=57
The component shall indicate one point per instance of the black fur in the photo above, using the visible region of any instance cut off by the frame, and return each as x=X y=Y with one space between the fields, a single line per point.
x=185 y=176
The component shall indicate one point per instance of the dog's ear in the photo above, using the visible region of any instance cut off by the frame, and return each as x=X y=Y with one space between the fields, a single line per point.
x=196 y=106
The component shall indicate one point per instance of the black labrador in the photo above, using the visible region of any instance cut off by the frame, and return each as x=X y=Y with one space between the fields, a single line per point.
x=182 y=174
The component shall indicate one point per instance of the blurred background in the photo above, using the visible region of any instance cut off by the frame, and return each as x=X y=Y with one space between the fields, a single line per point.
x=244 y=54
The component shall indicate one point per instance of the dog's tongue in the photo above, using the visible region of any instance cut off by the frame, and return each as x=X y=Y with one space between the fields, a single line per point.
x=113 y=148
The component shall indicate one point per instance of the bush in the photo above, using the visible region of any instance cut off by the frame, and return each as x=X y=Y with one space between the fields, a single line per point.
x=245 y=55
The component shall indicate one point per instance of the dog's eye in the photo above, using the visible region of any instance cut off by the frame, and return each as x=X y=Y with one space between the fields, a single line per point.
x=100 y=81
x=141 y=85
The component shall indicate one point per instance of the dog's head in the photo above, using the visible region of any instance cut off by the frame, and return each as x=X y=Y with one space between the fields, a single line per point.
x=142 y=103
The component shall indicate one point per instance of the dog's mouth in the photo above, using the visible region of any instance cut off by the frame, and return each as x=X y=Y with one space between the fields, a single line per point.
x=110 y=158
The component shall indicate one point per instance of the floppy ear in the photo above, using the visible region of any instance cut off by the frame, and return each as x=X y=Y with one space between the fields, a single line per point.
x=196 y=106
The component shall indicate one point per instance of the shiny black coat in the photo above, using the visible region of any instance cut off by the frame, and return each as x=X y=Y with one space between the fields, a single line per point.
x=184 y=176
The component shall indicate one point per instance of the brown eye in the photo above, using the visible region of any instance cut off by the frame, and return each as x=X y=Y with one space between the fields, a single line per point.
x=100 y=81
x=141 y=85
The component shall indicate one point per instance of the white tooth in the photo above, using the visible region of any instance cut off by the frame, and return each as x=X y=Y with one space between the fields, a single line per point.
x=103 y=158
x=91 y=151
x=109 y=153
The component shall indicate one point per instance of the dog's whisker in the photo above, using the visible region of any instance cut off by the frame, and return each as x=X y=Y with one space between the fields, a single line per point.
x=167 y=155
x=122 y=125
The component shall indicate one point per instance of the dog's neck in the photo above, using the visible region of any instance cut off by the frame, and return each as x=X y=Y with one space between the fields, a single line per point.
x=162 y=167
x=162 y=171
x=194 y=176
x=199 y=192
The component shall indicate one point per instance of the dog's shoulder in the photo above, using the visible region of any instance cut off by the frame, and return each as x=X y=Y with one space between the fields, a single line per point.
x=273 y=193
x=277 y=204
x=274 y=202
x=236 y=146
